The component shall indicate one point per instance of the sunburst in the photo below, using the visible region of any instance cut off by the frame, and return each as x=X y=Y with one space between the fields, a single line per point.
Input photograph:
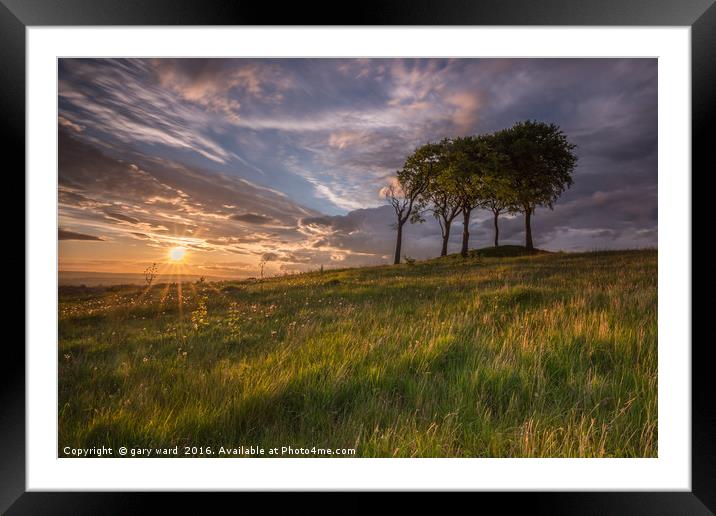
x=177 y=254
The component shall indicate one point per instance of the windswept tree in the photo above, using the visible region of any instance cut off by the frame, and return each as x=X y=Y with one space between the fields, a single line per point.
x=540 y=162
x=471 y=160
x=440 y=198
x=411 y=182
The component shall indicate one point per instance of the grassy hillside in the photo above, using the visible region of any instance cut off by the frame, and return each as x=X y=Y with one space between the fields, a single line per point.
x=546 y=355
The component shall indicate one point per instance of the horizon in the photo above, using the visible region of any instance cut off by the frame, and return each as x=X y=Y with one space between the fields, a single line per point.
x=208 y=167
x=93 y=278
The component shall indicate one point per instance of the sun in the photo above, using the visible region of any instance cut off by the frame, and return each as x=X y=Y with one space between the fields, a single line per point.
x=176 y=254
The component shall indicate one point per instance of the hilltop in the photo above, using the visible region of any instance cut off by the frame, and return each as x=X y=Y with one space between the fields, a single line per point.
x=551 y=354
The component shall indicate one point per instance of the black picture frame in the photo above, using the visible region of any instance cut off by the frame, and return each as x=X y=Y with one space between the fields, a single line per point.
x=17 y=15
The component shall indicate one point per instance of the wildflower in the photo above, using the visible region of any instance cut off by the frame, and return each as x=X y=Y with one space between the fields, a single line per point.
x=199 y=315
x=234 y=318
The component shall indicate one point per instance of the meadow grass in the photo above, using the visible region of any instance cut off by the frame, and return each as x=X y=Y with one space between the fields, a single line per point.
x=550 y=355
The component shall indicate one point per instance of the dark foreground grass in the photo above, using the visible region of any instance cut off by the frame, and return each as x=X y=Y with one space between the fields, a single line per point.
x=552 y=355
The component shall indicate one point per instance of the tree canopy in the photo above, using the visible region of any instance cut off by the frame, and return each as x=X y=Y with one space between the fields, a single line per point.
x=539 y=162
x=512 y=170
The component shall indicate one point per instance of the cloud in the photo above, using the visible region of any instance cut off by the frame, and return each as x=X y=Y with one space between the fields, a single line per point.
x=614 y=219
x=164 y=202
x=70 y=125
x=116 y=97
x=64 y=234
x=214 y=83
x=342 y=200
x=124 y=218
x=370 y=234
x=467 y=105
x=253 y=218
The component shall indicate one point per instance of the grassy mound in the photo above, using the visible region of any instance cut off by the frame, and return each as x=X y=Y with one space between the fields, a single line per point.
x=543 y=355
x=504 y=251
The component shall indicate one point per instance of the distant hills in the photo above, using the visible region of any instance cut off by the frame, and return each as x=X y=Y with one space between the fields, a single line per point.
x=92 y=279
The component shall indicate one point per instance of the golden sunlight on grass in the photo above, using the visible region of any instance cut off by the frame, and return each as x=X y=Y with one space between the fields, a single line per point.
x=176 y=254
x=550 y=355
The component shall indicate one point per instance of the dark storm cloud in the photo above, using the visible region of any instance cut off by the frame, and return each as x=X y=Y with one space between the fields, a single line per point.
x=291 y=153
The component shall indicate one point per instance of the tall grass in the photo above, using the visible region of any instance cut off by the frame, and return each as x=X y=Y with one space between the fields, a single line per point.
x=553 y=355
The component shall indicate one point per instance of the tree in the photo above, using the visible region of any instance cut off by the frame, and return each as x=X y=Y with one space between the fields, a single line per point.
x=497 y=196
x=402 y=205
x=440 y=197
x=411 y=182
x=472 y=160
x=445 y=208
x=265 y=258
x=539 y=165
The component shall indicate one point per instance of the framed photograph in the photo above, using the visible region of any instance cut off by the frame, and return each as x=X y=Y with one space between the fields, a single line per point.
x=444 y=248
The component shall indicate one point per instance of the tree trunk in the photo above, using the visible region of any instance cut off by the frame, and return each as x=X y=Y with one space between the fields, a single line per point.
x=465 y=231
x=398 y=243
x=497 y=230
x=446 y=237
x=528 y=231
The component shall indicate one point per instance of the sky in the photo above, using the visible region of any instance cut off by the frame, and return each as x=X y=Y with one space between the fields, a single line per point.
x=238 y=161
